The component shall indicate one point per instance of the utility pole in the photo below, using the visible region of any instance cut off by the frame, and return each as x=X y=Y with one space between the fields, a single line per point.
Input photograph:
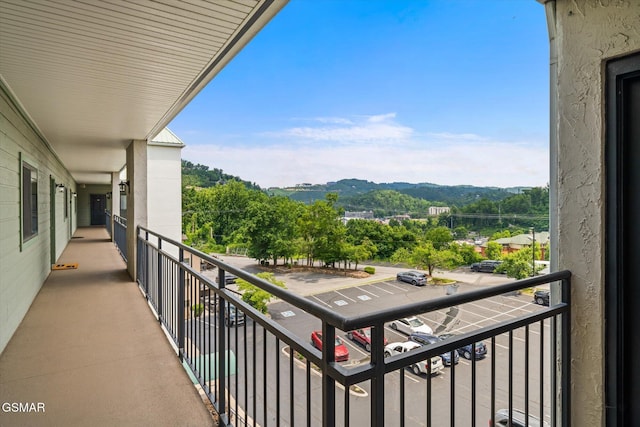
x=533 y=251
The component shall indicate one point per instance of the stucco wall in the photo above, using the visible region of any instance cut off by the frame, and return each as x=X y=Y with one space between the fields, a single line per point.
x=589 y=32
x=164 y=171
x=24 y=269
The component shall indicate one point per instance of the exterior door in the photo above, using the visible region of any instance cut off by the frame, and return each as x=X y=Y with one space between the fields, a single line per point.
x=622 y=277
x=98 y=206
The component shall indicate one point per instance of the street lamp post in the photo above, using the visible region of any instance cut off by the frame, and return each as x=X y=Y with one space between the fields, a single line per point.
x=533 y=252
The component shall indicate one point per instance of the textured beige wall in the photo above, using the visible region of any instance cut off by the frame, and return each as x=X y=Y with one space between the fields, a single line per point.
x=588 y=32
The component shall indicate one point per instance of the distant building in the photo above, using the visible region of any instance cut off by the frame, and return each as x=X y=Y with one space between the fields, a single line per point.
x=515 y=243
x=437 y=210
x=357 y=215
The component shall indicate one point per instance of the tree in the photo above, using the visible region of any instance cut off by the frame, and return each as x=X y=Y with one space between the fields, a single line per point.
x=401 y=256
x=357 y=253
x=424 y=256
x=467 y=253
x=494 y=250
x=440 y=237
x=461 y=232
x=270 y=228
x=256 y=297
x=322 y=231
x=518 y=265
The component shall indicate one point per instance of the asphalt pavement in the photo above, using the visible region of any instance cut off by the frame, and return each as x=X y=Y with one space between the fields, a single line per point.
x=307 y=283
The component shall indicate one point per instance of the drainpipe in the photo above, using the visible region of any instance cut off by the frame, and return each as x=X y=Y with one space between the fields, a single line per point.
x=554 y=229
x=561 y=413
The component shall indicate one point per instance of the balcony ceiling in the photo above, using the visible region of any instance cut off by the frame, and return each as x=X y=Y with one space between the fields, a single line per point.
x=94 y=75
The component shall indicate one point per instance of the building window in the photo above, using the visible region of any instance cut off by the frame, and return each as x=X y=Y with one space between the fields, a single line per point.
x=29 y=201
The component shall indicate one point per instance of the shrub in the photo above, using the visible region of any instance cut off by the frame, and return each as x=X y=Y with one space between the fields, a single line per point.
x=197 y=309
x=370 y=270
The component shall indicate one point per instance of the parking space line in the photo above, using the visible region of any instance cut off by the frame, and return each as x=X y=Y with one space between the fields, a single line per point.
x=364 y=290
x=319 y=300
x=383 y=290
x=409 y=377
x=394 y=286
x=344 y=296
x=497 y=311
x=355 y=346
x=485 y=319
x=396 y=332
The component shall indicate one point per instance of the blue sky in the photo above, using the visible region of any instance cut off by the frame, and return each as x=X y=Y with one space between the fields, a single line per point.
x=447 y=92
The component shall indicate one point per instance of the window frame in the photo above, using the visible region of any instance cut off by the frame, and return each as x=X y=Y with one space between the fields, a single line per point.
x=29 y=212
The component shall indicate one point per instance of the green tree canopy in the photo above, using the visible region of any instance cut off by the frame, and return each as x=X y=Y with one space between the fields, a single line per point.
x=256 y=297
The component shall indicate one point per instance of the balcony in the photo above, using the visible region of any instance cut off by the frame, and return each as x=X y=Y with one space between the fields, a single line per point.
x=91 y=352
x=96 y=347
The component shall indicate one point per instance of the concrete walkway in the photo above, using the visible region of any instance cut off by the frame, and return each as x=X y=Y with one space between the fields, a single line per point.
x=90 y=353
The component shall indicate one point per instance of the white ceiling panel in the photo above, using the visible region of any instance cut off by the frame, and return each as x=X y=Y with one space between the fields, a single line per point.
x=94 y=75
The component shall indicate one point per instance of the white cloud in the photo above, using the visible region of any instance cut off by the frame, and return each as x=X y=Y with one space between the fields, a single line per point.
x=382 y=117
x=489 y=163
x=377 y=128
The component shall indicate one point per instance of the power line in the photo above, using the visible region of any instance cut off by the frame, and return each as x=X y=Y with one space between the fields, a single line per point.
x=499 y=216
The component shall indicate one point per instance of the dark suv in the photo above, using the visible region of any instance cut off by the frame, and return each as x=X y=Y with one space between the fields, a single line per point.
x=487 y=266
x=541 y=297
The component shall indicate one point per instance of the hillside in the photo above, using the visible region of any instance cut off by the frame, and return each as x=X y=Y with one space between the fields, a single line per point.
x=360 y=195
x=201 y=176
x=436 y=195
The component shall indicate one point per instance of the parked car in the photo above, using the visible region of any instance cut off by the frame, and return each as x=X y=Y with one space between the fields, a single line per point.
x=228 y=278
x=426 y=339
x=416 y=278
x=362 y=337
x=421 y=367
x=467 y=350
x=487 y=266
x=411 y=325
x=517 y=419
x=541 y=297
x=233 y=316
x=341 y=353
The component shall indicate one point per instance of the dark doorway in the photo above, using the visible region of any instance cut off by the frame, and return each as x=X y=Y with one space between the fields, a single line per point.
x=622 y=277
x=98 y=206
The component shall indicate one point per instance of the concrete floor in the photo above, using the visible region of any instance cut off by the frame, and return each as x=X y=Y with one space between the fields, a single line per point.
x=90 y=352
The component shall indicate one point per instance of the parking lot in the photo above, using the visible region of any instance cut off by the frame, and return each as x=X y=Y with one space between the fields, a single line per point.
x=390 y=293
x=357 y=296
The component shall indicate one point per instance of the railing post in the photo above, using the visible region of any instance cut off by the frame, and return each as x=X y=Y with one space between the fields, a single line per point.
x=565 y=381
x=222 y=349
x=181 y=301
x=159 y=280
x=377 y=381
x=147 y=265
x=328 y=383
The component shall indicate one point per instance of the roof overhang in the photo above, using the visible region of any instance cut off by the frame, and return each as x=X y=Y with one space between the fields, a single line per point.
x=93 y=76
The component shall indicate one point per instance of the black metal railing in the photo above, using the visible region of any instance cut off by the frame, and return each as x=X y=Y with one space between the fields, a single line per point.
x=120 y=234
x=107 y=214
x=256 y=370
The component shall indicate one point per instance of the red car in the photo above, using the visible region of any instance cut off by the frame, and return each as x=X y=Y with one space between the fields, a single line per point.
x=342 y=352
x=363 y=337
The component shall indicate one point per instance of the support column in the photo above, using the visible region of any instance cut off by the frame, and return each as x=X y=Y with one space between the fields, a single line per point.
x=136 y=198
x=115 y=199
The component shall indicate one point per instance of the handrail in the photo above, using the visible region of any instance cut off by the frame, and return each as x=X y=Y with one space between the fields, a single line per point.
x=353 y=322
x=164 y=275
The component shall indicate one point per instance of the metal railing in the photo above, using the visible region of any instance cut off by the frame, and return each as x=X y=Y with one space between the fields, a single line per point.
x=107 y=214
x=258 y=372
x=120 y=234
